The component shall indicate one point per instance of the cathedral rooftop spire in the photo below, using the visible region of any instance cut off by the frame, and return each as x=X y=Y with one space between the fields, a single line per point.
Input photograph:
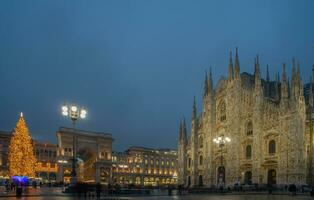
x=210 y=80
x=311 y=92
x=206 y=84
x=194 y=109
x=284 y=75
x=257 y=73
x=180 y=131
x=237 y=65
x=267 y=74
x=284 y=84
x=231 y=75
x=298 y=66
x=184 y=130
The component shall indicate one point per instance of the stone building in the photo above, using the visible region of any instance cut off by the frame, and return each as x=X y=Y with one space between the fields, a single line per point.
x=145 y=167
x=47 y=166
x=265 y=120
x=5 y=137
x=93 y=155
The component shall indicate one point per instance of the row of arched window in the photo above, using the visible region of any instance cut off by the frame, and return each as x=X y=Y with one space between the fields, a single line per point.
x=222 y=116
x=271 y=149
x=200 y=161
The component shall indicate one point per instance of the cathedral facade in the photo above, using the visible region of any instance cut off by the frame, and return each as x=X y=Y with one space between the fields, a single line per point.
x=265 y=121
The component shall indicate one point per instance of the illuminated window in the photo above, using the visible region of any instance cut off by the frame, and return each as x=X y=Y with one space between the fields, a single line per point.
x=151 y=162
x=157 y=162
x=146 y=161
x=162 y=163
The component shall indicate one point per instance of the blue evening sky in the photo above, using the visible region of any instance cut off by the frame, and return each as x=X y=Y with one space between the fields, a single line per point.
x=136 y=64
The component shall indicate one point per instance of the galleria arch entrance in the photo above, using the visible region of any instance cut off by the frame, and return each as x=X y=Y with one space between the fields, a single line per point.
x=93 y=155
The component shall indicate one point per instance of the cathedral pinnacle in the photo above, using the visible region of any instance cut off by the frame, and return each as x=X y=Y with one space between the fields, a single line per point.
x=184 y=130
x=284 y=83
x=284 y=76
x=267 y=74
x=257 y=70
x=311 y=92
x=180 y=131
x=237 y=65
x=298 y=66
x=210 y=81
x=206 y=85
x=230 y=67
x=194 y=109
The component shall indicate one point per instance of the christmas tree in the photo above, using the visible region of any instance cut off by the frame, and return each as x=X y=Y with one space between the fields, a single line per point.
x=22 y=160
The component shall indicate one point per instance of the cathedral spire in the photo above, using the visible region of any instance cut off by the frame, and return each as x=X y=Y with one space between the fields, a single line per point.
x=180 y=131
x=257 y=73
x=301 y=91
x=293 y=67
x=210 y=80
x=284 y=83
x=267 y=74
x=298 y=66
x=257 y=69
x=284 y=75
x=277 y=86
x=311 y=92
x=237 y=65
x=206 y=84
x=184 y=130
x=194 y=109
x=294 y=73
x=230 y=67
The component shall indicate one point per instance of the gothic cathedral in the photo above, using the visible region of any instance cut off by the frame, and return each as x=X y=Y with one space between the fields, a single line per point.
x=259 y=129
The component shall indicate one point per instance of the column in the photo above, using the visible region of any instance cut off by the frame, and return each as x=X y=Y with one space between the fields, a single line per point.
x=97 y=174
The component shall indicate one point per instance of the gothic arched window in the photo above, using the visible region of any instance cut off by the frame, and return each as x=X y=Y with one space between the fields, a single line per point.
x=248 y=152
x=189 y=163
x=201 y=142
x=222 y=111
x=201 y=160
x=249 y=128
x=272 y=147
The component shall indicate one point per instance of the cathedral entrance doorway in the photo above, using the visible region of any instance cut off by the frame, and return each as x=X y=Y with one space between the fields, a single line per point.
x=200 y=180
x=271 y=177
x=248 y=178
x=221 y=176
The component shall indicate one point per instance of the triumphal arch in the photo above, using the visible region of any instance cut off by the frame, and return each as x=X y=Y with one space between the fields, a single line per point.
x=92 y=152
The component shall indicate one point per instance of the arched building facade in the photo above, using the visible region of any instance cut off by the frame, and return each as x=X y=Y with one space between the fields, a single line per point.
x=93 y=155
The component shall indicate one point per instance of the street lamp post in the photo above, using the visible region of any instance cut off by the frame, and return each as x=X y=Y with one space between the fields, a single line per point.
x=221 y=141
x=74 y=113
